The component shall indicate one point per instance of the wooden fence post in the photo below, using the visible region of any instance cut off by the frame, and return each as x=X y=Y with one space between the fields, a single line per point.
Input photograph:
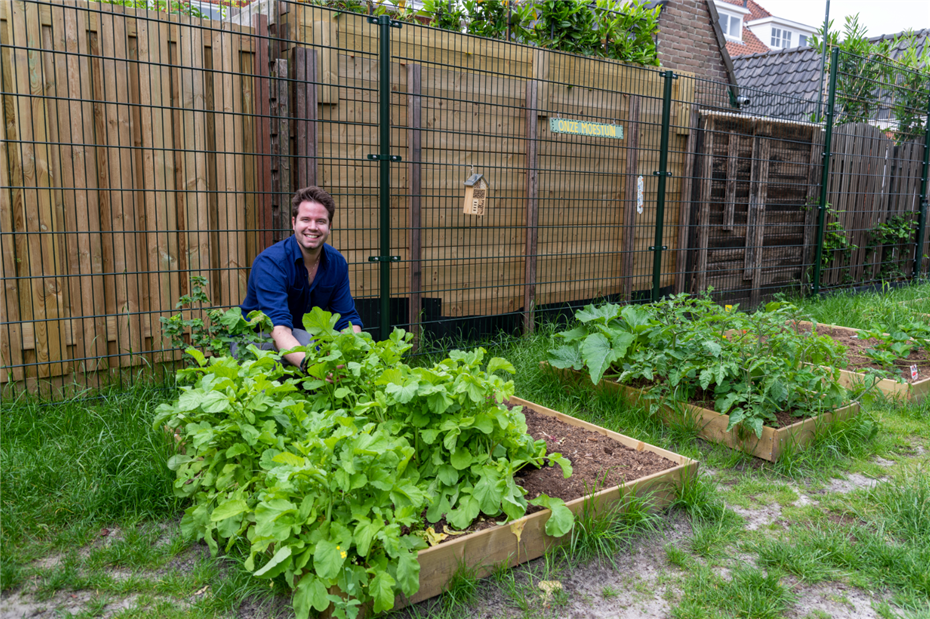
x=262 y=93
x=628 y=245
x=414 y=154
x=532 y=208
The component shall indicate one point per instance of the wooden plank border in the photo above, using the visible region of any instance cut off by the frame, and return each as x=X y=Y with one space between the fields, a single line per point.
x=712 y=426
x=525 y=539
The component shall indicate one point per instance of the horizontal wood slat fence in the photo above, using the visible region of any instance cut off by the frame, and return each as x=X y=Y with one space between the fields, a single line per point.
x=140 y=149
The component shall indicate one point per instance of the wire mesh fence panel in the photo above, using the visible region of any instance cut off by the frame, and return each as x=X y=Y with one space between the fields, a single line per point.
x=752 y=176
x=334 y=83
x=481 y=185
x=132 y=151
x=877 y=189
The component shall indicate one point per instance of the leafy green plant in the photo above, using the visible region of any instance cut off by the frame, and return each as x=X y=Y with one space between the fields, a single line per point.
x=896 y=345
x=446 y=14
x=492 y=18
x=599 y=30
x=747 y=366
x=176 y=7
x=325 y=477
x=214 y=335
x=886 y=238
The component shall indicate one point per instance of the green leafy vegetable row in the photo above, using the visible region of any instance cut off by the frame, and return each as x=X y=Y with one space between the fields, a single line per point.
x=324 y=478
x=750 y=366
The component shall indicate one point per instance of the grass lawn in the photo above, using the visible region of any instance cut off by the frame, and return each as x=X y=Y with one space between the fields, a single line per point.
x=89 y=521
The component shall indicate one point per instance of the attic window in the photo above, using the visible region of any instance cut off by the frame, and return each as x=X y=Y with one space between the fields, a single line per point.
x=732 y=26
x=781 y=38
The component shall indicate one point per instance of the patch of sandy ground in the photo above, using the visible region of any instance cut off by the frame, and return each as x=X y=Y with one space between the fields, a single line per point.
x=641 y=584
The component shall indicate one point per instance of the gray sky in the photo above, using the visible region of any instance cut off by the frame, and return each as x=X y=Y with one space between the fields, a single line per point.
x=878 y=16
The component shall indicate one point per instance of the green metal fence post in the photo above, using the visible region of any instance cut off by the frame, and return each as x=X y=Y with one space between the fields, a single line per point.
x=825 y=175
x=922 y=217
x=663 y=174
x=384 y=157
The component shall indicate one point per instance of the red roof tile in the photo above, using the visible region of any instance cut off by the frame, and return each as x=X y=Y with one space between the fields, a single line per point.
x=755 y=10
x=750 y=45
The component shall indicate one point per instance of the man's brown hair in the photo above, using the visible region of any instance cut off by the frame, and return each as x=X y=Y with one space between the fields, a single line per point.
x=313 y=194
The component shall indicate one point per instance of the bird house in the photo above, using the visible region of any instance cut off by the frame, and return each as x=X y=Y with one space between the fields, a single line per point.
x=476 y=195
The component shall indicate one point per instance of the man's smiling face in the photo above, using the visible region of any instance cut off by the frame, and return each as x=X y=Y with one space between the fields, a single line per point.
x=311 y=226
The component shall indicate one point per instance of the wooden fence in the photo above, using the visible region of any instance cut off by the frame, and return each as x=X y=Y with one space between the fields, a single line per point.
x=873 y=180
x=561 y=225
x=139 y=150
x=128 y=158
x=755 y=196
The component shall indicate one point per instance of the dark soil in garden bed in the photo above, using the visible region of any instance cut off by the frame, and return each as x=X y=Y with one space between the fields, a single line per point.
x=598 y=463
x=704 y=399
x=858 y=362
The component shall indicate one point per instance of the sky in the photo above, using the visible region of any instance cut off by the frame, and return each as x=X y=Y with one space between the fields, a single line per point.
x=878 y=16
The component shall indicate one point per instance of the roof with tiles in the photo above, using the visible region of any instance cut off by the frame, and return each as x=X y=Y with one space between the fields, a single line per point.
x=751 y=44
x=787 y=80
x=755 y=11
x=796 y=71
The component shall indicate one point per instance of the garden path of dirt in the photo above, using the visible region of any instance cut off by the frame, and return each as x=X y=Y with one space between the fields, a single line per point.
x=642 y=585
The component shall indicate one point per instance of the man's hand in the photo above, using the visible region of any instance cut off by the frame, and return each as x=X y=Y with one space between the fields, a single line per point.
x=283 y=340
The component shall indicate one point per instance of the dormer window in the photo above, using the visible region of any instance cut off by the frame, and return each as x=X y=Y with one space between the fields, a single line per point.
x=781 y=38
x=732 y=26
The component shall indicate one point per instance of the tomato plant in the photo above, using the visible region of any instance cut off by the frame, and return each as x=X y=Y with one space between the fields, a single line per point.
x=748 y=365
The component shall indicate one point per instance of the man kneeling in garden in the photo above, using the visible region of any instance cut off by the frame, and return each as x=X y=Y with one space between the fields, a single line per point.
x=293 y=276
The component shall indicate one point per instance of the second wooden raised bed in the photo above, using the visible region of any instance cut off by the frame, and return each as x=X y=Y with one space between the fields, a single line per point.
x=712 y=426
x=912 y=391
x=526 y=538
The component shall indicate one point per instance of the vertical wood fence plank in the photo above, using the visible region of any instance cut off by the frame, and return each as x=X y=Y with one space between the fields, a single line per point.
x=326 y=35
x=158 y=173
x=11 y=338
x=87 y=202
x=304 y=111
x=541 y=76
x=112 y=38
x=732 y=171
x=224 y=49
x=532 y=208
x=414 y=153
x=758 y=191
x=261 y=91
x=814 y=174
x=684 y=209
x=628 y=244
x=283 y=127
x=707 y=180
x=37 y=217
x=56 y=72
x=194 y=162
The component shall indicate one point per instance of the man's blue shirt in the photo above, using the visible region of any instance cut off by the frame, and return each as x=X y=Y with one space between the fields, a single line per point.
x=278 y=286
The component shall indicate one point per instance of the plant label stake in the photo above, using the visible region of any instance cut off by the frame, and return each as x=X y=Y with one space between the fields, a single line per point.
x=914 y=372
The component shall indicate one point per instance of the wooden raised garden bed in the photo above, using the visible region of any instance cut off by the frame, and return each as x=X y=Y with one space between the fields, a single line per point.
x=713 y=426
x=904 y=390
x=526 y=539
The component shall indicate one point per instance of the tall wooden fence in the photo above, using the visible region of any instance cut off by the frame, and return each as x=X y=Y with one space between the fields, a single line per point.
x=562 y=223
x=139 y=150
x=131 y=144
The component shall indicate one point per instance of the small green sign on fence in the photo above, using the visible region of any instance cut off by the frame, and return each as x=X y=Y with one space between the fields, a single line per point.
x=582 y=127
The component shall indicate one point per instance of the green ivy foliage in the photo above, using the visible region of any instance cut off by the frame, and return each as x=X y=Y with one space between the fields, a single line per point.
x=324 y=477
